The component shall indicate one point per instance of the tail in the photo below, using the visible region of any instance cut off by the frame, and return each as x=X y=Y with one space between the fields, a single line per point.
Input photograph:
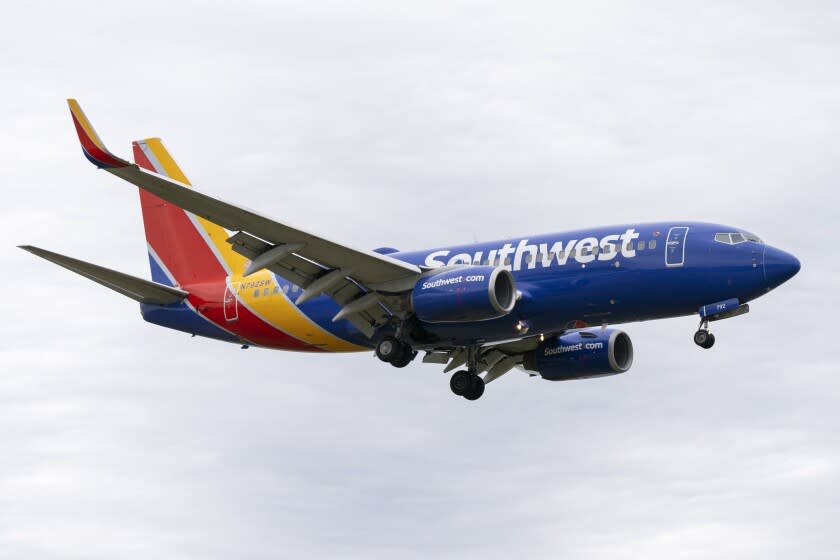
x=184 y=248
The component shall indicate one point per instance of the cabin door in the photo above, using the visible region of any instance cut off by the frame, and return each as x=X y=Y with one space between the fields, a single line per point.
x=231 y=302
x=675 y=246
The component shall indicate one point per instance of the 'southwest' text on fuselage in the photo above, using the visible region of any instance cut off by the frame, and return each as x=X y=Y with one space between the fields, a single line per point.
x=526 y=255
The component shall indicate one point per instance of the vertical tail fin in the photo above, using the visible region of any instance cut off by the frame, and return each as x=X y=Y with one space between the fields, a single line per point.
x=183 y=248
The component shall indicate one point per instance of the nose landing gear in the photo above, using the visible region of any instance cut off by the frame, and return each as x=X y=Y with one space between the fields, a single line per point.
x=704 y=339
x=715 y=312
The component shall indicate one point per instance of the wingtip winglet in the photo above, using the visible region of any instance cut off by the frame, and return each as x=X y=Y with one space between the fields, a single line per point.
x=92 y=146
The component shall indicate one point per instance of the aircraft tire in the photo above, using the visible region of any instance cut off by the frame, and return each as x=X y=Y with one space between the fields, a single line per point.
x=701 y=338
x=476 y=389
x=405 y=356
x=460 y=382
x=388 y=349
x=709 y=342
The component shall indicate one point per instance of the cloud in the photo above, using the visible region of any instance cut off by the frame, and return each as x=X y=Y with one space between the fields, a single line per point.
x=384 y=124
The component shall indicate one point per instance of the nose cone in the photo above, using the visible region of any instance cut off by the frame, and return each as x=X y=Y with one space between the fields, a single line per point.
x=779 y=267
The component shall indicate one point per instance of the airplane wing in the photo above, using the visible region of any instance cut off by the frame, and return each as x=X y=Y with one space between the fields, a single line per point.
x=359 y=280
x=137 y=289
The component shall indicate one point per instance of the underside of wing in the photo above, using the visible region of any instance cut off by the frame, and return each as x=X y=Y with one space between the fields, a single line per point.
x=492 y=360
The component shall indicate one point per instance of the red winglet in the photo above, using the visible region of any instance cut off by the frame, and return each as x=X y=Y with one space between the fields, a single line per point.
x=94 y=149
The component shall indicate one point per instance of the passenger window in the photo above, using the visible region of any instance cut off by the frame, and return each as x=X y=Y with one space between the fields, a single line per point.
x=595 y=251
x=285 y=288
x=257 y=292
x=652 y=244
x=276 y=290
x=265 y=292
x=640 y=246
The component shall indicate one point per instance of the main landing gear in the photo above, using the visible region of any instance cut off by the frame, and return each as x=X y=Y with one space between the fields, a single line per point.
x=395 y=352
x=703 y=338
x=466 y=384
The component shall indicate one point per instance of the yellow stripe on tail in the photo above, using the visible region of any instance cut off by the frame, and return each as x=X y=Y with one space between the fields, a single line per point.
x=278 y=311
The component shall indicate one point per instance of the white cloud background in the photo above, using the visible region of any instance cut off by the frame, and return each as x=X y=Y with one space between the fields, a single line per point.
x=410 y=125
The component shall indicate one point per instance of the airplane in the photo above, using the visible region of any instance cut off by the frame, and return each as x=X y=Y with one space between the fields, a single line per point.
x=541 y=303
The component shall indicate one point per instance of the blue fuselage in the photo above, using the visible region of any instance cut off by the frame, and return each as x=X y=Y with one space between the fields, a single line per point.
x=607 y=275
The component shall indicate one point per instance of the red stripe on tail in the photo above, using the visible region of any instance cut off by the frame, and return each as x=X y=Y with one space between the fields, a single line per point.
x=97 y=155
x=174 y=238
x=185 y=253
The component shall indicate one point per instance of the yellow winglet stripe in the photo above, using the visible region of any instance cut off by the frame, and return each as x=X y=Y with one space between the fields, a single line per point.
x=82 y=119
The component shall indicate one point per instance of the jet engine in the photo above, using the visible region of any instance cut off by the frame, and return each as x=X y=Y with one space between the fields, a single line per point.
x=581 y=354
x=470 y=293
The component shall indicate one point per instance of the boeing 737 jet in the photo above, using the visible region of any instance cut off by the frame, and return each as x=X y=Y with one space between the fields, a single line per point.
x=540 y=303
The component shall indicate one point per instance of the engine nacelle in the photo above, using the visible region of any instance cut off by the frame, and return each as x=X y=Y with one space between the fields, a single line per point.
x=582 y=354
x=470 y=293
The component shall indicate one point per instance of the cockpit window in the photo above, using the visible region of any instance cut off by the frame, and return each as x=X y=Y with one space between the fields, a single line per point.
x=736 y=238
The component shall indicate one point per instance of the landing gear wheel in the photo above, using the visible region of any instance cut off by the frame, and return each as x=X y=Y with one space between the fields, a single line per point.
x=476 y=389
x=460 y=382
x=710 y=341
x=405 y=356
x=389 y=349
x=701 y=338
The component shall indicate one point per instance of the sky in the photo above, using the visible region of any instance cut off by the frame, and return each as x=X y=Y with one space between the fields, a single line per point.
x=417 y=125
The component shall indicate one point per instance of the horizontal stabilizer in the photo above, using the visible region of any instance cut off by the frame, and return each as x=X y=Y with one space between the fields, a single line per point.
x=144 y=291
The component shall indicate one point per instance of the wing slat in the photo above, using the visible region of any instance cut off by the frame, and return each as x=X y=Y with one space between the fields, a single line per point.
x=371 y=267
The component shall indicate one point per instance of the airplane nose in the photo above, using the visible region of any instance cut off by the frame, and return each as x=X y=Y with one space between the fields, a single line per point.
x=779 y=266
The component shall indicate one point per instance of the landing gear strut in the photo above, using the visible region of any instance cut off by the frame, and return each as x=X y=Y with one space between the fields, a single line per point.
x=703 y=338
x=395 y=352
